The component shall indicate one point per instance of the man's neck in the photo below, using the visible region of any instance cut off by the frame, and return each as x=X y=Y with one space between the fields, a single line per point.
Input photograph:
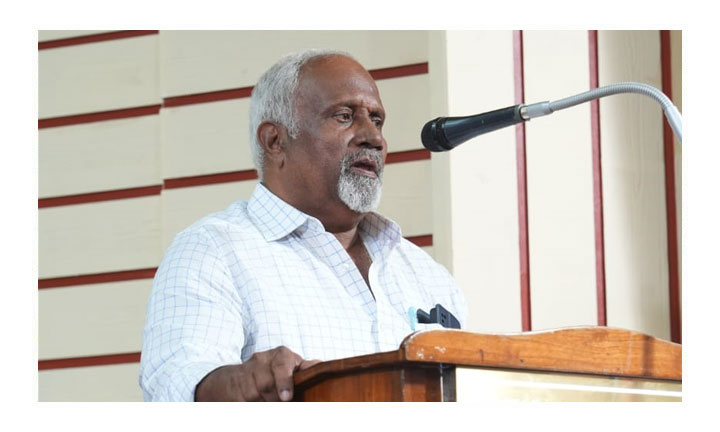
x=336 y=217
x=348 y=238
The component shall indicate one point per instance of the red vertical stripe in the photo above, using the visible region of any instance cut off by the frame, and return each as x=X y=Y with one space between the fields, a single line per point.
x=597 y=183
x=522 y=185
x=670 y=203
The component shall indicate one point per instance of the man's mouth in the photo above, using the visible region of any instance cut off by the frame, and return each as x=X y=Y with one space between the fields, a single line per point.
x=365 y=167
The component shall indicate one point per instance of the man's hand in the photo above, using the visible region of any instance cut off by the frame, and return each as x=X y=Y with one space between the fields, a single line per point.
x=267 y=376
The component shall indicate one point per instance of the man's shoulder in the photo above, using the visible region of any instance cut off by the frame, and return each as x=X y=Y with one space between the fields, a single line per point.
x=233 y=220
x=418 y=258
x=387 y=232
x=409 y=247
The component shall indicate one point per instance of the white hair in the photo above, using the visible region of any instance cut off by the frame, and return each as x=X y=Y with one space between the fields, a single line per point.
x=273 y=98
x=360 y=193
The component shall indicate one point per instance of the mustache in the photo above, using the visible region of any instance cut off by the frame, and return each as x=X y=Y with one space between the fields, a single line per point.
x=365 y=153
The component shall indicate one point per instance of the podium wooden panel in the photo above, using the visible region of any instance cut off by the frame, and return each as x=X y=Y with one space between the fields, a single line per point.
x=584 y=363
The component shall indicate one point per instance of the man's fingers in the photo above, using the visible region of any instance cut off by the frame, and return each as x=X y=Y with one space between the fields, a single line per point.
x=308 y=363
x=283 y=364
x=266 y=376
x=248 y=388
x=265 y=384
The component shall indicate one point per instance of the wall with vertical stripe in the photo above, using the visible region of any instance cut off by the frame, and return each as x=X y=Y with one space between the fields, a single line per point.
x=636 y=242
x=143 y=132
x=560 y=176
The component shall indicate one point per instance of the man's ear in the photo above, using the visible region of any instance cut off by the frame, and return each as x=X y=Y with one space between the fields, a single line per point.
x=272 y=138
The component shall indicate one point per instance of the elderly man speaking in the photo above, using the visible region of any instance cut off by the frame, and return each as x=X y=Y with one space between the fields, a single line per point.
x=305 y=270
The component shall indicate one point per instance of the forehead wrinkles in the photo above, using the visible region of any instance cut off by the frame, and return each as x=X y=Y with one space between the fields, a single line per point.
x=327 y=81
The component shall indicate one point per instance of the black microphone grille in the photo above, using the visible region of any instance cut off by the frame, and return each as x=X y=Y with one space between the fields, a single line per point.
x=432 y=136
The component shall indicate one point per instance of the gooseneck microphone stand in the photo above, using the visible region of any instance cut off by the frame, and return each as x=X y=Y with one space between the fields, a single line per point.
x=671 y=112
x=446 y=133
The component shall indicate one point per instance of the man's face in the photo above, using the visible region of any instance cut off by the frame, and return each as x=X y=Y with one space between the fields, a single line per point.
x=339 y=153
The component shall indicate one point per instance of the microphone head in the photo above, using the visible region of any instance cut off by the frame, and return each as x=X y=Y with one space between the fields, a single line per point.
x=446 y=133
x=432 y=136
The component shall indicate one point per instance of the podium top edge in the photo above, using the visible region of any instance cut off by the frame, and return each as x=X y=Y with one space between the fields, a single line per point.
x=590 y=350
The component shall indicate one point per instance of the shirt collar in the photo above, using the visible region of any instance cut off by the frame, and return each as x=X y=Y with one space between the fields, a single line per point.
x=276 y=219
x=272 y=216
x=381 y=229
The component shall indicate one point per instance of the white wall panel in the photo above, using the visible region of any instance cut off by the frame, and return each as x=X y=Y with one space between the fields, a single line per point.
x=560 y=183
x=475 y=192
x=95 y=77
x=89 y=320
x=99 y=237
x=633 y=186
x=113 y=383
x=100 y=156
x=201 y=61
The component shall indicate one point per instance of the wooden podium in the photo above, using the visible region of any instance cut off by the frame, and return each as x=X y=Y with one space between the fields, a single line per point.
x=573 y=364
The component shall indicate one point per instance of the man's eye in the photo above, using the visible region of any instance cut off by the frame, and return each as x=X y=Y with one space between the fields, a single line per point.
x=378 y=121
x=344 y=116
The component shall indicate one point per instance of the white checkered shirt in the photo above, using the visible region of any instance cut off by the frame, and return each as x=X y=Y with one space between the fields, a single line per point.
x=261 y=274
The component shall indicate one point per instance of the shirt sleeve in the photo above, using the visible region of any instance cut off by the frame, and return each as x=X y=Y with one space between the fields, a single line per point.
x=194 y=319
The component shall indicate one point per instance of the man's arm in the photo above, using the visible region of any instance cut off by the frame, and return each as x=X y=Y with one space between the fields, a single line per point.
x=266 y=376
x=194 y=321
x=194 y=334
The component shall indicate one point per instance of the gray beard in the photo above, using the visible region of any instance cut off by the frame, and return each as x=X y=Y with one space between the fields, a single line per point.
x=360 y=193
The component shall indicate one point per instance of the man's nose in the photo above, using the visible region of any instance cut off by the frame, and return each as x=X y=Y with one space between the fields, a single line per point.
x=370 y=135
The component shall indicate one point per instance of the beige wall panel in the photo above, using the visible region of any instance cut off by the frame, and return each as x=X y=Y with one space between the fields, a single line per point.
x=99 y=237
x=100 y=156
x=213 y=137
x=407 y=197
x=678 y=204
x=183 y=206
x=95 y=77
x=440 y=162
x=481 y=178
x=48 y=35
x=201 y=61
x=633 y=186
x=560 y=183
x=114 y=383
x=428 y=250
x=676 y=53
x=407 y=104
x=90 y=320
x=206 y=138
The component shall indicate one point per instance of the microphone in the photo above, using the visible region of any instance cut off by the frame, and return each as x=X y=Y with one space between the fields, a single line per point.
x=446 y=133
